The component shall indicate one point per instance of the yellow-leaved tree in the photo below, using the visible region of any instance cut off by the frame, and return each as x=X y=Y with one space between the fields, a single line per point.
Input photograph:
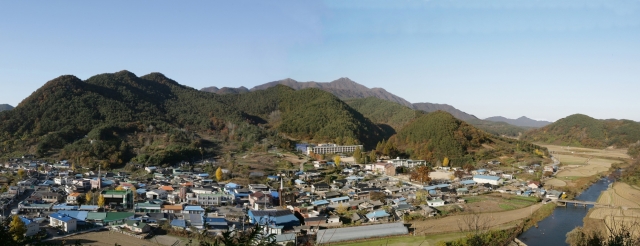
x=17 y=228
x=219 y=174
x=101 y=201
x=120 y=187
x=337 y=160
x=88 y=197
x=445 y=162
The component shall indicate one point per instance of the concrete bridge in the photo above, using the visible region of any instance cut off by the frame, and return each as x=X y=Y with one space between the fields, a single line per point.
x=576 y=203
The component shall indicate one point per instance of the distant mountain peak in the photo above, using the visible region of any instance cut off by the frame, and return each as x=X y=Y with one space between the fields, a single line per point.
x=4 y=107
x=343 y=88
x=523 y=121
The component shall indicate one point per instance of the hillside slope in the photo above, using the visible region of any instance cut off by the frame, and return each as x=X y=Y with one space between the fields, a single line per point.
x=432 y=107
x=584 y=131
x=384 y=112
x=438 y=134
x=522 y=121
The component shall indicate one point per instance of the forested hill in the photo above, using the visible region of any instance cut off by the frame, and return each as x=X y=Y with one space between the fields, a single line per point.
x=309 y=114
x=582 y=130
x=112 y=118
x=438 y=134
x=226 y=90
x=432 y=107
x=384 y=112
x=4 y=107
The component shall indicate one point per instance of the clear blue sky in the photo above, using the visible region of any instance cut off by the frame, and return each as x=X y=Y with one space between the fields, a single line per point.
x=542 y=59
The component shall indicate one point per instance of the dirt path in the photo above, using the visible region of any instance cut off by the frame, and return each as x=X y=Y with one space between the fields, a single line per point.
x=450 y=223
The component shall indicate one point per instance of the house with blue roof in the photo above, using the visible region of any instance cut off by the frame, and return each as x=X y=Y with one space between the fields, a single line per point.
x=65 y=222
x=468 y=182
x=31 y=226
x=339 y=200
x=275 y=219
x=80 y=216
x=193 y=210
x=378 y=215
x=485 y=179
x=217 y=223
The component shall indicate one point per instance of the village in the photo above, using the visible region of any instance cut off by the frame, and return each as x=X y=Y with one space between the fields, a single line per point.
x=296 y=206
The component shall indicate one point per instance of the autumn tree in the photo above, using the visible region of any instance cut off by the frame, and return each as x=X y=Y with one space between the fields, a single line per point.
x=445 y=162
x=458 y=174
x=341 y=209
x=17 y=228
x=119 y=188
x=337 y=160
x=135 y=193
x=357 y=155
x=421 y=173
x=373 y=157
x=376 y=195
x=101 y=201
x=88 y=197
x=21 y=173
x=219 y=174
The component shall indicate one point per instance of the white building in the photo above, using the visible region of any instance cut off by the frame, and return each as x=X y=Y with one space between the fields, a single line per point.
x=333 y=148
x=435 y=203
x=32 y=227
x=66 y=223
x=484 y=179
x=406 y=162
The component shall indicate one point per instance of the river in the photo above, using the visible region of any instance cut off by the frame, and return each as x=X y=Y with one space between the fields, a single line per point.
x=553 y=229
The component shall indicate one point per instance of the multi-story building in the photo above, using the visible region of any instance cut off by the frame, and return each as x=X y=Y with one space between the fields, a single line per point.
x=332 y=148
x=214 y=199
x=406 y=162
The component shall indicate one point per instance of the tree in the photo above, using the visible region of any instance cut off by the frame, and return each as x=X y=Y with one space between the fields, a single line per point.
x=119 y=188
x=88 y=197
x=21 y=173
x=357 y=155
x=373 y=157
x=219 y=174
x=101 y=201
x=421 y=173
x=337 y=160
x=445 y=162
x=17 y=228
x=135 y=193
x=376 y=195
x=342 y=210
x=458 y=174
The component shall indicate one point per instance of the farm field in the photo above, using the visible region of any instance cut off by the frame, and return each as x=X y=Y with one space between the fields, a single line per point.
x=555 y=182
x=621 y=195
x=496 y=202
x=450 y=223
x=604 y=153
x=406 y=240
x=101 y=238
x=576 y=166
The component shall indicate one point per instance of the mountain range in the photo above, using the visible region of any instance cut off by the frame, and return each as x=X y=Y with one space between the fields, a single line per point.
x=115 y=118
x=522 y=121
x=347 y=89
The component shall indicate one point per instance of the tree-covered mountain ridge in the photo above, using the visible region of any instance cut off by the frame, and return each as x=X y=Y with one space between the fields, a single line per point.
x=584 y=131
x=112 y=118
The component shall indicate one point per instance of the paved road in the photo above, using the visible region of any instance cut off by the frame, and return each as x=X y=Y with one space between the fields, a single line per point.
x=15 y=202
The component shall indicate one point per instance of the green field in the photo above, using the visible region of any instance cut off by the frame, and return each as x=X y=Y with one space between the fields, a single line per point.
x=429 y=240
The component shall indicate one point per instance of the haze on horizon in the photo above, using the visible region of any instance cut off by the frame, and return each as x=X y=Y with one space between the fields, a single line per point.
x=543 y=59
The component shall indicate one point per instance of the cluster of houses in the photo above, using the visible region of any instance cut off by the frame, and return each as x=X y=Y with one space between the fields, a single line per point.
x=187 y=198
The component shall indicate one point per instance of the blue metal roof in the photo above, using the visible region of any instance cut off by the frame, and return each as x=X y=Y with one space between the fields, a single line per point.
x=342 y=198
x=26 y=221
x=79 y=215
x=61 y=217
x=319 y=202
x=468 y=182
x=496 y=178
x=377 y=214
x=179 y=223
x=193 y=208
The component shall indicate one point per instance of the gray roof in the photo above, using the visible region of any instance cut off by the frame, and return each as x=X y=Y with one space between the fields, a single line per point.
x=360 y=232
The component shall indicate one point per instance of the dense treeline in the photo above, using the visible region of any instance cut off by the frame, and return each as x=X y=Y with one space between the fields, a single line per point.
x=497 y=128
x=584 y=131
